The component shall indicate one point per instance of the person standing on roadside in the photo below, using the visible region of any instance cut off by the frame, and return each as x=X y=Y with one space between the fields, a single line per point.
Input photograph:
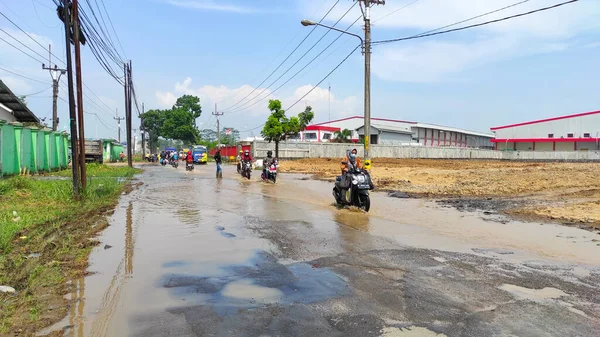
x=218 y=161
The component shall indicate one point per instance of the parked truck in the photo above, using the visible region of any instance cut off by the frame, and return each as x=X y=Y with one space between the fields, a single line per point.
x=94 y=151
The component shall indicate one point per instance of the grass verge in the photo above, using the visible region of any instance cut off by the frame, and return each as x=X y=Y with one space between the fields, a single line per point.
x=45 y=239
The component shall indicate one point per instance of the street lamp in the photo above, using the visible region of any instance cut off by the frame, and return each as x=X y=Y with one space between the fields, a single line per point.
x=366 y=45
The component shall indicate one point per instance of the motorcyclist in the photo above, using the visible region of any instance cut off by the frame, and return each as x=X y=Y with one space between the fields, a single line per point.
x=351 y=159
x=239 y=160
x=189 y=158
x=246 y=157
x=267 y=163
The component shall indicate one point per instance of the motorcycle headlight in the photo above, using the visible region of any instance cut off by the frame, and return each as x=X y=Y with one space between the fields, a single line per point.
x=354 y=181
x=361 y=179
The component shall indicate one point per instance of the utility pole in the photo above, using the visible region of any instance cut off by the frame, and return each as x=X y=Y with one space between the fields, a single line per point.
x=119 y=119
x=367 y=52
x=55 y=81
x=217 y=113
x=73 y=116
x=128 y=115
x=76 y=41
x=143 y=135
x=134 y=140
x=329 y=90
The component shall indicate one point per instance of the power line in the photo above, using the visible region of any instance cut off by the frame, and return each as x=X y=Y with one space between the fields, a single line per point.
x=113 y=28
x=299 y=71
x=19 y=49
x=29 y=78
x=314 y=87
x=28 y=35
x=475 y=25
x=282 y=62
x=23 y=44
x=35 y=93
x=395 y=11
x=245 y=105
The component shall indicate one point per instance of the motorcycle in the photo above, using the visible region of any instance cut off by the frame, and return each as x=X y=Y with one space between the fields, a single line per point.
x=271 y=172
x=163 y=161
x=357 y=194
x=189 y=166
x=246 y=169
x=175 y=163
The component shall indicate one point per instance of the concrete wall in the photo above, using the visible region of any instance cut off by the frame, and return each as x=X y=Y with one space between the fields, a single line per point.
x=293 y=150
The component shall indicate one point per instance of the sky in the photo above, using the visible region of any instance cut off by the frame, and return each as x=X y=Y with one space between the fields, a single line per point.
x=542 y=65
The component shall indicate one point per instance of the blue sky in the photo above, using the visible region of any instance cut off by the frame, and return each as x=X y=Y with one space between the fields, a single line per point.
x=542 y=65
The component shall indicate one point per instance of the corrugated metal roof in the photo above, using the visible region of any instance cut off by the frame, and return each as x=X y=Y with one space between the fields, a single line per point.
x=19 y=110
x=389 y=128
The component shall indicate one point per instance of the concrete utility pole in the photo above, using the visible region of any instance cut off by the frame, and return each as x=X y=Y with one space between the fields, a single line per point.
x=217 y=113
x=143 y=134
x=73 y=116
x=366 y=44
x=76 y=41
x=55 y=81
x=119 y=119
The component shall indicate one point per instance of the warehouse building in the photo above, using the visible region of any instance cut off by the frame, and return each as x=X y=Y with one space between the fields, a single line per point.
x=578 y=132
x=397 y=132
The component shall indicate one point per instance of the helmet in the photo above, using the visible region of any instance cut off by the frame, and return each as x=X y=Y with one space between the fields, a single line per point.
x=241 y=151
x=269 y=153
x=247 y=152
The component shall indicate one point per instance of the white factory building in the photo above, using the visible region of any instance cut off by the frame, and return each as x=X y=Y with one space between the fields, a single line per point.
x=397 y=132
x=578 y=132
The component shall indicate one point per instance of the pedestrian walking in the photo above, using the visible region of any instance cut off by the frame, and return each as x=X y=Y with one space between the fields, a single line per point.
x=218 y=160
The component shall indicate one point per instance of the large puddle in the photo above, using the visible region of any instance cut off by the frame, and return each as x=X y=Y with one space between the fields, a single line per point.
x=185 y=240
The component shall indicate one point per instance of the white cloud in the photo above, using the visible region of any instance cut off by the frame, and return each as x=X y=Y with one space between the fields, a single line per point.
x=256 y=111
x=444 y=57
x=210 y=5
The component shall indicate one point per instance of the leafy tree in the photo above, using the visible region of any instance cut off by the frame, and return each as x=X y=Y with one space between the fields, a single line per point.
x=178 y=124
x=152 y=121
x=342 y=136
x=208 y=135
x=189 y=104
x=278 y=127
x=231 y=138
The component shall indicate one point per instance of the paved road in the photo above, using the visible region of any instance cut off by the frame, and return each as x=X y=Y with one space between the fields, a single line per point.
x=196 y=256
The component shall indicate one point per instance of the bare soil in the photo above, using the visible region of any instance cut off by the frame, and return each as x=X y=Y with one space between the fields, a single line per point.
x=565 y=192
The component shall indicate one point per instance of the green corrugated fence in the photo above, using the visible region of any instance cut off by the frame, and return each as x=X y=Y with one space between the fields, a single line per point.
x=25 y=150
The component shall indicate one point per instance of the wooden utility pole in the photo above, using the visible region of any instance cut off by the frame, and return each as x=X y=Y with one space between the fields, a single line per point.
x=76 y=41
x=128 y=115
x=73 y=116
x=217 y=113
x=55 y=74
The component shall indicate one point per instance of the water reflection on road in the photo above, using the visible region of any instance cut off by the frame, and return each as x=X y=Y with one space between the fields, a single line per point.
x=199 y=255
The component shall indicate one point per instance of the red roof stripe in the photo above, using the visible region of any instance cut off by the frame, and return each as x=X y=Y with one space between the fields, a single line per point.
x=544 y=140
x=545 y=120
x=361 y=117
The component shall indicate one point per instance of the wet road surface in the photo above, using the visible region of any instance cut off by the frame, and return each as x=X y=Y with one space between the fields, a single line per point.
x=196 y=256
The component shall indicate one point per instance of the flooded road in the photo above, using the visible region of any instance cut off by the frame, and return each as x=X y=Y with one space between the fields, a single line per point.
x=189 y=255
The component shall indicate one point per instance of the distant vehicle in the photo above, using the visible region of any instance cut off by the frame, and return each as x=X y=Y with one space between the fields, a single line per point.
x=94 y=150
x=200 y=154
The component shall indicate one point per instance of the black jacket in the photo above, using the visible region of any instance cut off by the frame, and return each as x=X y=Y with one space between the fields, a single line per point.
x=218 y=158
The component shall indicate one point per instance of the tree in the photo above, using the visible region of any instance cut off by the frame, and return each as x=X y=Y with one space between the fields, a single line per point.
x=152 y=121
x=278 y=127
x=208 y=135
x=178 y=124
x=231 y=138
x=191 y=105
x=342 y=136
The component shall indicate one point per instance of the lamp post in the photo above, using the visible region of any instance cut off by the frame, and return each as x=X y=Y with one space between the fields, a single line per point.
x=366 y=45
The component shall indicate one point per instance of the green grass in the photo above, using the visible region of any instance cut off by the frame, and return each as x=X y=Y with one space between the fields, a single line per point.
x=27 y=201
x=40 y=215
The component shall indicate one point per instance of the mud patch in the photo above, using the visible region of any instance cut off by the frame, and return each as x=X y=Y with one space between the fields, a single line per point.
x=413 y=331
x=536 y=295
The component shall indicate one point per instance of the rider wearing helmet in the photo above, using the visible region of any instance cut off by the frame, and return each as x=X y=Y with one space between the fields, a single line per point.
x=267 y=162
x=246 y=156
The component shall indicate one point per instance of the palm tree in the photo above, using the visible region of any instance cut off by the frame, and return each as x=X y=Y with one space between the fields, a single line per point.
x=342 y=136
